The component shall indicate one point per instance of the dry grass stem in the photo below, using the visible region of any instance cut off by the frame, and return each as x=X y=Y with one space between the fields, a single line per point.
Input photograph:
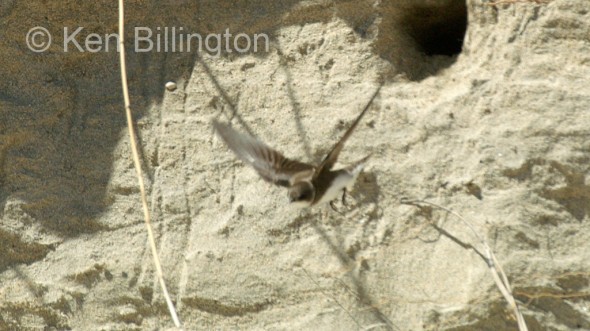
x=495 y=268
x=331 y=297
x=137 y=165
x=501 y=2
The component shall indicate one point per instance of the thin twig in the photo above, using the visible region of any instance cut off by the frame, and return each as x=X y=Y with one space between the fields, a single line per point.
x=500 y=2
x=331 y=297
x=136 y=162
x=495 y=268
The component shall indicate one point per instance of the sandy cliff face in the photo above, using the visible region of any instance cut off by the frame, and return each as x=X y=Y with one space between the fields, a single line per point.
x=494 y=125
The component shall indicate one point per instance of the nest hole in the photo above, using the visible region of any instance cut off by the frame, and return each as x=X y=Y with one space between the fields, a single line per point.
x=421 y=37
x=437 y=29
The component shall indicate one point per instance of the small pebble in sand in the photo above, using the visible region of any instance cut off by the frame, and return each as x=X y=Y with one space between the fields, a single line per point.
x=171 y=86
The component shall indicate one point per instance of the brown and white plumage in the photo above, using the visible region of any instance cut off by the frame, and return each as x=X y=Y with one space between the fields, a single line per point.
x=269 y=163
x=307 y=184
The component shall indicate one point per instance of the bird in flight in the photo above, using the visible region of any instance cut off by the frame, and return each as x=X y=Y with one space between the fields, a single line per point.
x=308 y=185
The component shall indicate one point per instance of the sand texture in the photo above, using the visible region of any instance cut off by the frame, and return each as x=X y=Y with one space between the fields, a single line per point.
x=495 y=126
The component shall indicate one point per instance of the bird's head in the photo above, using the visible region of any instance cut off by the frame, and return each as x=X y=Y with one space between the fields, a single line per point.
x=302 y=193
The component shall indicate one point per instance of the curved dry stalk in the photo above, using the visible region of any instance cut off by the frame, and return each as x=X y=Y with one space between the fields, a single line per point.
x=331 y=297
x=137 y=164
x=501 y=2
x=490 y=258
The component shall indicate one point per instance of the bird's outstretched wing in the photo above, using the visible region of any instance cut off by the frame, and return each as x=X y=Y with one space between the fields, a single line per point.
x=270 y=164
x=332 y=157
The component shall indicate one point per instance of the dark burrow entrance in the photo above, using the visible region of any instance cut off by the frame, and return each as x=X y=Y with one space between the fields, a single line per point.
x=437 y=30
x=421 y=37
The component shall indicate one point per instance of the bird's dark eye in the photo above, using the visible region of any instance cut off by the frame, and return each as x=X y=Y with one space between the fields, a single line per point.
x=300 y=196
x=301 y=192
x=306 y=195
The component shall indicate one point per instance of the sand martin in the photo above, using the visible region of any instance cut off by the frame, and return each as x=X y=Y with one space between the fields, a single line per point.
x=308 y=184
